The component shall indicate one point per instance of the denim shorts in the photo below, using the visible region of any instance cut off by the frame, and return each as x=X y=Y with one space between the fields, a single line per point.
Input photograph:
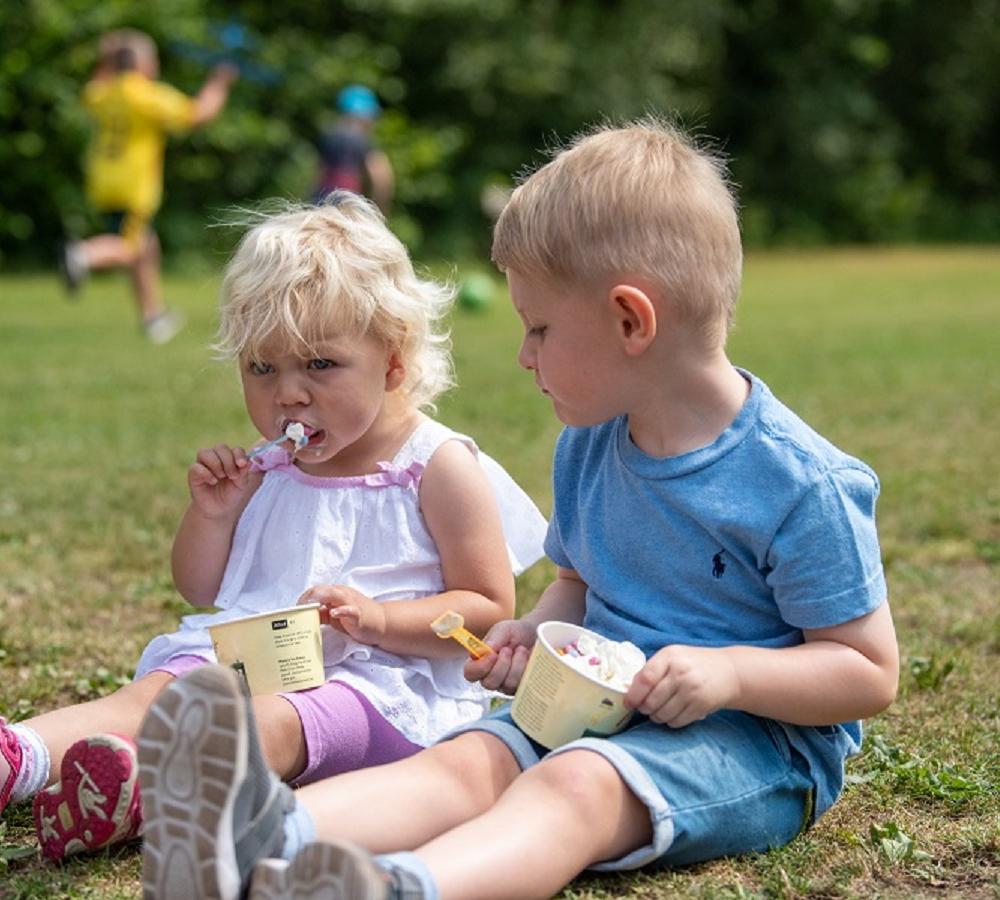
x=729 y=784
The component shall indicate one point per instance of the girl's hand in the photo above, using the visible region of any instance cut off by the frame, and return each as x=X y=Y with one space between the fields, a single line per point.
x=220 y=480
x=349 y=611
x=512 y=640
x=680 y=685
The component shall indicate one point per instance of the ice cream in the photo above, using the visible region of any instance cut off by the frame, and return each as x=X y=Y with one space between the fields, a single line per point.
x=296 y=433
x=615 y=663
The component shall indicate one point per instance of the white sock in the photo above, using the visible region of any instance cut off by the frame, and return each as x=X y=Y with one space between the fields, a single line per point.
x=300 y=829
x=412 y=869
x=34 y=763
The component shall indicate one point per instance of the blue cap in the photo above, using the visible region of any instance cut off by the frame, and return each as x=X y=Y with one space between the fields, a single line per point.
x=357 y=100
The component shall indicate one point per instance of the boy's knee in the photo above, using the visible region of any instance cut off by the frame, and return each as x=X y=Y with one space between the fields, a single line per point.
x=581 y=778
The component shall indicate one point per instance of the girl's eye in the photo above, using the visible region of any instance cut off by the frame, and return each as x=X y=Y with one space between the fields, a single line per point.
x=537 y=331
x=321 y=364
x=260 y=368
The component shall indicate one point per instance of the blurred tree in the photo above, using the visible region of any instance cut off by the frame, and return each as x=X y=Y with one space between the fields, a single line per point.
x=847 y=120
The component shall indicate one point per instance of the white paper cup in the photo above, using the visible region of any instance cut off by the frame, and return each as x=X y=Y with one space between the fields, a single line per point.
x=280 y=650
x=555 y=703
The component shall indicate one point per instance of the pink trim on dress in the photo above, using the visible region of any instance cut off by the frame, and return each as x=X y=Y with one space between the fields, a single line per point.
x=389 y=475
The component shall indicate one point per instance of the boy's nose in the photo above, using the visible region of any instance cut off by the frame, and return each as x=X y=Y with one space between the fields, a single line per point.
x=525 y=356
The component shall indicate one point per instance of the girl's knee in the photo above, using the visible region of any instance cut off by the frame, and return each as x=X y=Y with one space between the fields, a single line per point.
x=143 y=691
x=477 y=759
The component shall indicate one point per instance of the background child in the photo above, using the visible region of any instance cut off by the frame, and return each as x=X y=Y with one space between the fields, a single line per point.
x=132 y=115
x=386 y=517
x=750 y=577
x=348 y=158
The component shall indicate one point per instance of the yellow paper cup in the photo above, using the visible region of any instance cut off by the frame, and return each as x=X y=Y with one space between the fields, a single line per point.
x=556 y=704
x=280 y=650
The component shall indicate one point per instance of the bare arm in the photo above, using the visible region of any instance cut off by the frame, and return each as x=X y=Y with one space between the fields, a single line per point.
x=849 y=671
x=214 y=94
x=221 y=485
x=846 y=672
x=564 y=600
x=462 y=516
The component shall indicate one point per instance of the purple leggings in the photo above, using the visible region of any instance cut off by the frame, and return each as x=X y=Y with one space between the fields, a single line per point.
x=341 y=729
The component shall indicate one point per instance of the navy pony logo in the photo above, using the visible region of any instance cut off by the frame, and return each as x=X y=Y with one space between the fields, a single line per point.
x=718 y=566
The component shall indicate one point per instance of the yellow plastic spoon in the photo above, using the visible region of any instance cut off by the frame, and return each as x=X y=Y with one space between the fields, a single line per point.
x=452 y=625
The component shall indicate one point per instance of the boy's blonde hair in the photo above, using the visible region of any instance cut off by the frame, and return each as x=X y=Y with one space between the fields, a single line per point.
x=639 y=199
x=304 y=272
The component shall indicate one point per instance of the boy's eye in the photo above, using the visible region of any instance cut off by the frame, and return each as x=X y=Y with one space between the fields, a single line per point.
x=321 y=364
x=260 y=368
x=537 y=331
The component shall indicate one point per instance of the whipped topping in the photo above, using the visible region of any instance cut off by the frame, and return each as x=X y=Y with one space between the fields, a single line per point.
x=615 y=663
x=296 y=433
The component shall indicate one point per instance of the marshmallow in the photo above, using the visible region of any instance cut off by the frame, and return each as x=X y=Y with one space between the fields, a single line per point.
x=615 y=663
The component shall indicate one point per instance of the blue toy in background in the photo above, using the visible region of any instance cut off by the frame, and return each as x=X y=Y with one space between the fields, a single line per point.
x=232 y=42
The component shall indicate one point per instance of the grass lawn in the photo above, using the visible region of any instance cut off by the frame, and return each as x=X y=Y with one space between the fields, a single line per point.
x=893 y=355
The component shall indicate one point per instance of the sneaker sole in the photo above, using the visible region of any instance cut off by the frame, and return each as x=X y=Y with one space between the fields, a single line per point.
x=93 y=805
x=192 y=758
x=322 y=871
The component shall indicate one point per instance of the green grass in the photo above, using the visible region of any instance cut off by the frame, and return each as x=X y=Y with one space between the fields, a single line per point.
x=892 y=355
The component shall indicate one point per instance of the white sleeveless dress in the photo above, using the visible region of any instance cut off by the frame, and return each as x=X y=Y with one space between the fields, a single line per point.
x=366 y=532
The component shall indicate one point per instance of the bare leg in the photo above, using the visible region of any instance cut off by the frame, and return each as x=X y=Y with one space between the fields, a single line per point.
x=146 y=277
x=109 y=251
x=427 y=793
x=281 y=735
x=121 y=712
x=557 y=818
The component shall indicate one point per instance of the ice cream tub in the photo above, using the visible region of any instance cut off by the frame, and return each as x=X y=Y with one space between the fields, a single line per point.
x=556 y=703
x=279 y=651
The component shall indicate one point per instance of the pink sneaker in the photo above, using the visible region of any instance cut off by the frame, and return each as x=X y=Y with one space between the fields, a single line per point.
x=11 y=755
x=95 y=803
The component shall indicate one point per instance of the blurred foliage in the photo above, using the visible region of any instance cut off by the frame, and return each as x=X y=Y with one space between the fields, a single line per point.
x=847 y=120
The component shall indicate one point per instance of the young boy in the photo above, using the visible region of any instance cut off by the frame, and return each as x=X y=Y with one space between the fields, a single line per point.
x=132 y=114
x=695 y=516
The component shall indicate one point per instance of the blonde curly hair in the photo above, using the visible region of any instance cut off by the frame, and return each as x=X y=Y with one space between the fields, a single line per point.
x=303 y=271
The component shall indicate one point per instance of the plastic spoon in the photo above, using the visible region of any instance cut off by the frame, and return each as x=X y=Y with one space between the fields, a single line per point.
x=452 y=625
x=295 y=432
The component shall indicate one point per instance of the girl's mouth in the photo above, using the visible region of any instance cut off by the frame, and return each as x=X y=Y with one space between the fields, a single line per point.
x=313 y=435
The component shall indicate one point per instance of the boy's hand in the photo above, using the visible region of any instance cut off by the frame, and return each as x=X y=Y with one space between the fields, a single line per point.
x=220 y=479
x=680 y=685
x=512 y=640
x=349 y=611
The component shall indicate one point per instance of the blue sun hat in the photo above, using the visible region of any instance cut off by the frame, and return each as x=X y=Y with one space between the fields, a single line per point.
x=358 y=100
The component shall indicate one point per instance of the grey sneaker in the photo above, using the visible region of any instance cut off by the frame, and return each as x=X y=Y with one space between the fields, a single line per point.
x=164 y=327
x=211 y=805
x=333 y=871
x=73 y=265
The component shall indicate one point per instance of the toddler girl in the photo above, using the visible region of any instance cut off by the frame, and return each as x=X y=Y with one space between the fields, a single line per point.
x=385 y=517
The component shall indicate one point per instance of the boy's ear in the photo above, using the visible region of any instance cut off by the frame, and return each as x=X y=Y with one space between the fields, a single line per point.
x=395 y=371
x=635 y=317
